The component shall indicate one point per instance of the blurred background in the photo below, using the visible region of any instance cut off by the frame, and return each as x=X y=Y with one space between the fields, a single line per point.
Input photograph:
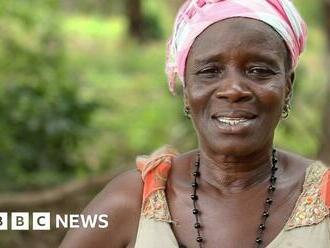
x=83 y=91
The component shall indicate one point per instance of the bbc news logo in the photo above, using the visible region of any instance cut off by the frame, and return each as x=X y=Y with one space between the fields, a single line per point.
x=42 y=221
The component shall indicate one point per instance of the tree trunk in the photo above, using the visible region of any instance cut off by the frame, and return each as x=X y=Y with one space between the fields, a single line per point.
x=135 y=18
x=324 y=152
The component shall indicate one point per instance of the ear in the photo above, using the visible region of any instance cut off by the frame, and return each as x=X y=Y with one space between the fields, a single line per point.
x=289 y=84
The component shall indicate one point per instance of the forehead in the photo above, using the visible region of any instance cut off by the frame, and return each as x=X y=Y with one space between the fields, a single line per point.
x=238 y=34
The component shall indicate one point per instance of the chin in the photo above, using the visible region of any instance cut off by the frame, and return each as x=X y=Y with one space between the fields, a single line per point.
x=234 y=147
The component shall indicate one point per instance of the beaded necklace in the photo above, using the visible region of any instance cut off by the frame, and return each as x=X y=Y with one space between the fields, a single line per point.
x=268 y=202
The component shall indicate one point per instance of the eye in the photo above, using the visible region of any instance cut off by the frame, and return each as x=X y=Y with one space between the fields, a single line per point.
x=260 y=71
x=210 y=72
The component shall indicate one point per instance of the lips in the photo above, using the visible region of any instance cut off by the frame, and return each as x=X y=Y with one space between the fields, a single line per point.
x=234 y=120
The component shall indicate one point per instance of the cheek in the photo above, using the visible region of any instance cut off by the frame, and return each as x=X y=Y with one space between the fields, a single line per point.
x=272 y=98
x=196 y=88
x=199 y=99
x=198 y=95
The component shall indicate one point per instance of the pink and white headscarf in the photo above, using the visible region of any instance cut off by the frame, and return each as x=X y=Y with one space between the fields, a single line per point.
x=196 y=15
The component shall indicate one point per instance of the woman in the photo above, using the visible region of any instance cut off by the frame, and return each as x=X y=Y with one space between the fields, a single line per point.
x=236 y=60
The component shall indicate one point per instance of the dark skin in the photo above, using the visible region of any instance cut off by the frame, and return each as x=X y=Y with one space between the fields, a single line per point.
x=228 y=73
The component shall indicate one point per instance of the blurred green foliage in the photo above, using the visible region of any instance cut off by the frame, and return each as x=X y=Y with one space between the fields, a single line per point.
x=57 y=62
x=92 y=7
x=301 y=132
x=42 y=117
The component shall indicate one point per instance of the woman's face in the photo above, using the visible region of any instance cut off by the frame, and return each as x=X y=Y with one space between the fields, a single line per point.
x=237 y=82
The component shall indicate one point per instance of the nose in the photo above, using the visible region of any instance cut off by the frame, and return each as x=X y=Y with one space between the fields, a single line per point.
x=234 y=91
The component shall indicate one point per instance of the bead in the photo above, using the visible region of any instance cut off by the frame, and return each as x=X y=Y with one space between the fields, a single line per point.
x=194 y=185
x=199 y=239
x=196 y=174
x=195 y=211
x=265 y=214
x=273 y=179
x=194 y=197
x=269 y=201
x=275 y=160
x=271 y=188
x=274 y=169
x=197 y=225
x=262 y=227
x=197 y=164
x=258 y=240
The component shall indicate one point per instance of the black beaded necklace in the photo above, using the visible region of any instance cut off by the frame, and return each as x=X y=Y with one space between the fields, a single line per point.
x=270 y=190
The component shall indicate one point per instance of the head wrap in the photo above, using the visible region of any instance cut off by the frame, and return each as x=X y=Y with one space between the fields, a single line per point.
x=196 y=15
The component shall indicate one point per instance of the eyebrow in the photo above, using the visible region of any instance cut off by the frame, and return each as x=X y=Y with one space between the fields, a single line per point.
x=270 y=58
x=252 y=56
x=207 y=59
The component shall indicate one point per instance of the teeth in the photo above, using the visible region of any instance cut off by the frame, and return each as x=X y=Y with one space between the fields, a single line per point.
x=232 y=121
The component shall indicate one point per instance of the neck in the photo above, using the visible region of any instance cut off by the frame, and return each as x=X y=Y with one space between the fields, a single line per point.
x=233 y=174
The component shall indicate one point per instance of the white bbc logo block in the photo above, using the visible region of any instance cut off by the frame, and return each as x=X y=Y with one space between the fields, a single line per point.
x=41 y=221
x=19 y=221
x=3 y=221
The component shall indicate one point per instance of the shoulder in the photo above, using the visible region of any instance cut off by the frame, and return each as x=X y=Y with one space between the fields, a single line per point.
x=294 y=167
x=313 y=170
x=121 y=200
x=123 y=193
x=294 y=160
